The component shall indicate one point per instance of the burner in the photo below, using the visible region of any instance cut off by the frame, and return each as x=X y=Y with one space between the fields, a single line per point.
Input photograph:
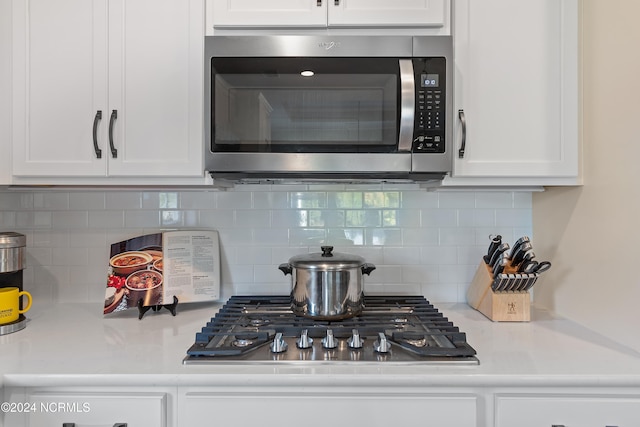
x=390 y=329
x=258 y=322
x=245 y=339
x=415 y=339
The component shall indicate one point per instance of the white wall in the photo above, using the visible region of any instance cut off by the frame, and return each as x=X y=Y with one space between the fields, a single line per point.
x=422 y=242
x=592 y=233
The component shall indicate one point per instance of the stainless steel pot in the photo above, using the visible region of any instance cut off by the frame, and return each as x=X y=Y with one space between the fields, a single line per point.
x=327 y=285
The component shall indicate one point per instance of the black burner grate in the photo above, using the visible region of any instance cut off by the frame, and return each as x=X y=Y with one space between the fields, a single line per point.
x=417 y=329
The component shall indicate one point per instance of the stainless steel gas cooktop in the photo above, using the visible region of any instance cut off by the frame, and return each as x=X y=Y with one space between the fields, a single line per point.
x=390 y=329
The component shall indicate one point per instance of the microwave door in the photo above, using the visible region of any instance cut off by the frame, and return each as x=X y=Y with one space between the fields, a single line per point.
x=407 y=105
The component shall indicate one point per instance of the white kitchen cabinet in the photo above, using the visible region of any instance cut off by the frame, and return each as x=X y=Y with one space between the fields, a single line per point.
x=86 y=407
x=312 y=408
x=569 y=411
x=107 y=88
x=328 y=13
x=516 y=85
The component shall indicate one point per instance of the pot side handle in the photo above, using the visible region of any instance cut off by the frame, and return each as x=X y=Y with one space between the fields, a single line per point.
x=367 y=268
x=286 y=268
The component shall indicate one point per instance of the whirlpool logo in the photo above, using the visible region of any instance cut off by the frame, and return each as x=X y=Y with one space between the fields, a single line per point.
x=329 y=45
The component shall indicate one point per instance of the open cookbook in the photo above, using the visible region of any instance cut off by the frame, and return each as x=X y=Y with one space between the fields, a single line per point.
x=151 y=270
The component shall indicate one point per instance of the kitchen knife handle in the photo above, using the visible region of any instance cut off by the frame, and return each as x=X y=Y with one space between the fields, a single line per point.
x=114 y=116
x=96 y=119
x=496 y=241
x=463 y=142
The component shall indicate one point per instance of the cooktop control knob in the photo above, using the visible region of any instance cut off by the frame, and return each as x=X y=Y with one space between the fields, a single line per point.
x=304 y=341
x=329 y=341
x=382 y=345
x=278 y=345
x=355 y=342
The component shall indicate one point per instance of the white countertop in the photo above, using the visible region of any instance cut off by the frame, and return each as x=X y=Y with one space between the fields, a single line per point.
x=74 y=344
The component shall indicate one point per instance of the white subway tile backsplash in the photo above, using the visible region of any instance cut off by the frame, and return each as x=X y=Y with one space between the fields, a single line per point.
x=87 y=201
x=141 y=219
x=253 y=218
x=218 y=219
x=270 y=200
x=51 y=201
x=70 y=219
x=197 y=200
x=420 y=236
x=421 y=242
x=514 y=217
x=123 y=200
x=233 y=200
x=40 y=219
x=106 y=219
x=434 y=217
x=490 y=200
x=270 y=237
x=71 y=257
x=400 y=255
x=465 y=200
x=419 y=200
x=439 y=255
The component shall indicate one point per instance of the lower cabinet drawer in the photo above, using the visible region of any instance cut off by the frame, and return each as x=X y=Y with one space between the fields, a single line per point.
x=53 y=409
x=567 y=411
x=200 y=409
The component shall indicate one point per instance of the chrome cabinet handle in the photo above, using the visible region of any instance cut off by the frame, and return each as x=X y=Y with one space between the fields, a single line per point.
x=463 y=144
x=96 y=119
x=114 y=116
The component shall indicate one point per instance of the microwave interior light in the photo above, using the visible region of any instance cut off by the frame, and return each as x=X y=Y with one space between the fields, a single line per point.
x=307 y=73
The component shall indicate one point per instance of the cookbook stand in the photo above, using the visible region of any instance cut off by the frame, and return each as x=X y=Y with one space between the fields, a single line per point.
x=497 y=306
x=143 y=309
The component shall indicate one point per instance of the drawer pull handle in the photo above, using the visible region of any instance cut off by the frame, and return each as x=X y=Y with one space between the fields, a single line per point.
x=74 y=425
x=96 y=119
x=114 y=116
x=463 y=146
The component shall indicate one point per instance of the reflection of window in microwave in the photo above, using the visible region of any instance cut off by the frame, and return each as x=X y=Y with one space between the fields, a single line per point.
x=288 y=109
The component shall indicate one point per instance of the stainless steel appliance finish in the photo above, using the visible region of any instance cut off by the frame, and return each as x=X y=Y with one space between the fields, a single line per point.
x=12 y=251
x=327 y=285
x=389 y=330
x=378 y=112
x=13 y=254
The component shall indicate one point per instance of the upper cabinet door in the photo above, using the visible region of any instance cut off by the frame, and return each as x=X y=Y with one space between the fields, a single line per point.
x=108 y=88
x=323 y=13
x=59 y=87
x=387 y=13
x=517 y=88
x=269 y=13
x=155 y=112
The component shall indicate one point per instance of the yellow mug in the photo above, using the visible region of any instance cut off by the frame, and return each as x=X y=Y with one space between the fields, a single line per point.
x=10 y=304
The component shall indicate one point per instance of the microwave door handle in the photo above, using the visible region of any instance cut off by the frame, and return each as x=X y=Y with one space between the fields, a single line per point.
x=407 y=105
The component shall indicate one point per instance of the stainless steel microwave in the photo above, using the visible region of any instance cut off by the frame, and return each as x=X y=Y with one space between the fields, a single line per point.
x=322 y=108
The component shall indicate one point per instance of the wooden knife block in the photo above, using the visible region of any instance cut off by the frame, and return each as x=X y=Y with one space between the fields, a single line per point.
x=497 y=306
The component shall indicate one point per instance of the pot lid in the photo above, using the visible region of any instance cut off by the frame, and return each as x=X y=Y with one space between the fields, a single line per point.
x=327 y=259
x=10 y=239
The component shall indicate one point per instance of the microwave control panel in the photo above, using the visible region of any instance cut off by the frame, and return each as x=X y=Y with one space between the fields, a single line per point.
x=429 y=123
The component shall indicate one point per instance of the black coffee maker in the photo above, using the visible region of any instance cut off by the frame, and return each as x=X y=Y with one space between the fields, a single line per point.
x=13 y=254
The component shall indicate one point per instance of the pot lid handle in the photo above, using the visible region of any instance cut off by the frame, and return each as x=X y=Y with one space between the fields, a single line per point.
x=326 y=251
